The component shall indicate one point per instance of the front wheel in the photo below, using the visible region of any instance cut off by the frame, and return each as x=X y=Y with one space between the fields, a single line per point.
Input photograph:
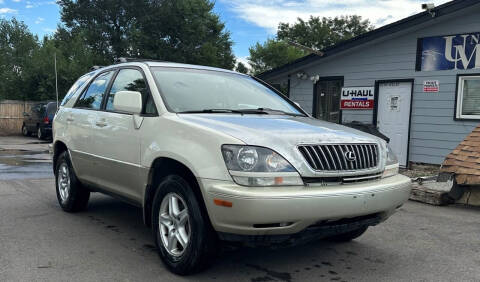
x=185 y=240
x=71 y=195
x=348 y=236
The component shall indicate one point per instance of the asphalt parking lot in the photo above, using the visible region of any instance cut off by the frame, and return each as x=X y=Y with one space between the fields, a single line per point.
x=109 y=242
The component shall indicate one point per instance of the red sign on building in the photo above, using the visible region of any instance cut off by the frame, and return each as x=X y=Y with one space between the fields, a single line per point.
x=357 y=98
x=431 y=86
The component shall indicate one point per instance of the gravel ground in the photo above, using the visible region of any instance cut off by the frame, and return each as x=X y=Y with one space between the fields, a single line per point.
x=420 y=170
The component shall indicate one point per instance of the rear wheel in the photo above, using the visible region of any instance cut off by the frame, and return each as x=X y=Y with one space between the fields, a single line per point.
x=71 y=196
x=40 y=133
x=25 y=131
x=348 y=236
x=185 y=240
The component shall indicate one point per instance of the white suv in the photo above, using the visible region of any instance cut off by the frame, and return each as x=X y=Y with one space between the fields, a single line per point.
x=211 y=154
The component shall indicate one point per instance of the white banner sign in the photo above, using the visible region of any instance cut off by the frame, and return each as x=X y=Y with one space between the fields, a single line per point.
x=357 y=98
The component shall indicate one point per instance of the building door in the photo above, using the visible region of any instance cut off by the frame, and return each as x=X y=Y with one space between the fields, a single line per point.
x=327 y=106
x=393 y=118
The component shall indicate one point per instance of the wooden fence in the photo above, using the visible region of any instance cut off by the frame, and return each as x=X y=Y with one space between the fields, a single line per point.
x=11 y=116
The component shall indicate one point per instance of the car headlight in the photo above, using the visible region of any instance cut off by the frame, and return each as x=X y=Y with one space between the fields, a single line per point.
x=391 y=165
x=258 y=166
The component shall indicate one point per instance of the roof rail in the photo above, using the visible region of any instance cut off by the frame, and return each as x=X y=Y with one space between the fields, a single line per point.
x=127 y=60
x=94 y=68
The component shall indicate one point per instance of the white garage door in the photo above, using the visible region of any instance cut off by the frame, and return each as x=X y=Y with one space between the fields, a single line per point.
x=394 y=115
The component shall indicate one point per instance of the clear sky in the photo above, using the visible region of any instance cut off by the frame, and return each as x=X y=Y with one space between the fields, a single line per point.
x=249 y=21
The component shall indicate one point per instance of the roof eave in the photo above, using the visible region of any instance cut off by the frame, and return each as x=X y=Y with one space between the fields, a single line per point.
x=442 y=10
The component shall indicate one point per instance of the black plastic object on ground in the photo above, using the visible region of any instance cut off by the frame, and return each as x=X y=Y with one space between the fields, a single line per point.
x=368 y=128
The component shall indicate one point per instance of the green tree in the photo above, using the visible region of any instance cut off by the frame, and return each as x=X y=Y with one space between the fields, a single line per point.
x=316 y=33
x=17 y=45
x=241 y=68
x=74 y=59
x=320 y=33
x=174 y=30
x=184 y=31
x=272 y=54
x=105 y=24
x=27 y=70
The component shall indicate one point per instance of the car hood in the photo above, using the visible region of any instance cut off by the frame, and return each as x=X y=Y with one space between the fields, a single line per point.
x=263 y=130
x=281 y=133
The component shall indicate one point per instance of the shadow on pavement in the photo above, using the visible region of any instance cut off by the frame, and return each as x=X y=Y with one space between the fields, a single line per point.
x=325 y=260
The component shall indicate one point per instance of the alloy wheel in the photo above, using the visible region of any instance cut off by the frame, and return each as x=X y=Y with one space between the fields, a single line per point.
x=174 y=224
x=63 y=180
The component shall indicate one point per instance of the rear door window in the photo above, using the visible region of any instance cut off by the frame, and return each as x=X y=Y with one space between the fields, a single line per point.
x=38 y=109
x=35 y=108
x=92 y=97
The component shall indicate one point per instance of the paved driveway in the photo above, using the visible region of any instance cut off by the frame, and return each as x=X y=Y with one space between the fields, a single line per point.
x=24 y=157
x=109 y=242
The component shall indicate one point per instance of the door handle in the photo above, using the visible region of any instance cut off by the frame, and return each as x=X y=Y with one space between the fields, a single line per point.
x=101 y=124
x=70 y=119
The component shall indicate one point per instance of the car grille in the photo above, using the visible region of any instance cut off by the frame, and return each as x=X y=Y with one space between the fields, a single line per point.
x=340 y=157
x=325 y=181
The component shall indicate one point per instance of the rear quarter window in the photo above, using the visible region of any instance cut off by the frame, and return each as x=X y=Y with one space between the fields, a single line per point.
x=75 y=87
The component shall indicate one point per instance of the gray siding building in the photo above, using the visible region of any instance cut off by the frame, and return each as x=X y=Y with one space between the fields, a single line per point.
x=417 y=80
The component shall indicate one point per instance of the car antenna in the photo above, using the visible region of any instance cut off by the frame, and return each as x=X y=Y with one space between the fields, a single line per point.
x=56 y=77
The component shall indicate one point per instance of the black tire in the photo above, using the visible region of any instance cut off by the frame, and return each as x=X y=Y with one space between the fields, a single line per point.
x=77 y=197
x=348 y=236
x=40 y=133
x=201 y=248
x=25 y=131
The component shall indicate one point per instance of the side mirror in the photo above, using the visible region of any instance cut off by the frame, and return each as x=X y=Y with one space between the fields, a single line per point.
x=128 y=102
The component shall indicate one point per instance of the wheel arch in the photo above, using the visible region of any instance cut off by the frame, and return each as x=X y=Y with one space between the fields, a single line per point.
x=58 y=148
x=160 y=168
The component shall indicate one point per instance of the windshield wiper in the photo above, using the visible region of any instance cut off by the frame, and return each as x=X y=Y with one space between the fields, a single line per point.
x=258 y=111
x=268 y=111
x=211 y=111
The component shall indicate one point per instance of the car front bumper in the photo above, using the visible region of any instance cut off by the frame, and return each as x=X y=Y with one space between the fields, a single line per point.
x=261 y=211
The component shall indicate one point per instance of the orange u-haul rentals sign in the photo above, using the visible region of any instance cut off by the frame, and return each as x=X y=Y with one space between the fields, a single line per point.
x=357 y=98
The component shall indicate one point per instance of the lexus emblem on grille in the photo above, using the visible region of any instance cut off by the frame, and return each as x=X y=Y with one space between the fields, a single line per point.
x=350 y=156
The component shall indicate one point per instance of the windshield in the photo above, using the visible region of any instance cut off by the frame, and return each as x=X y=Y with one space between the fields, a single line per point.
x=192 y=90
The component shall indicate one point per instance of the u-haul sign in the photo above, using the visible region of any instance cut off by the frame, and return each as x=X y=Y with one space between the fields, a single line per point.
x=431 y=86
x=357 y=98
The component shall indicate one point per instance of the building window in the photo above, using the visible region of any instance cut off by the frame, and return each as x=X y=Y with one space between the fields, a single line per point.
x=468 y=97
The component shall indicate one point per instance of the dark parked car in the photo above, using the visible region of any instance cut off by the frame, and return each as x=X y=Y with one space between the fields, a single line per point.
x=39 y=120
